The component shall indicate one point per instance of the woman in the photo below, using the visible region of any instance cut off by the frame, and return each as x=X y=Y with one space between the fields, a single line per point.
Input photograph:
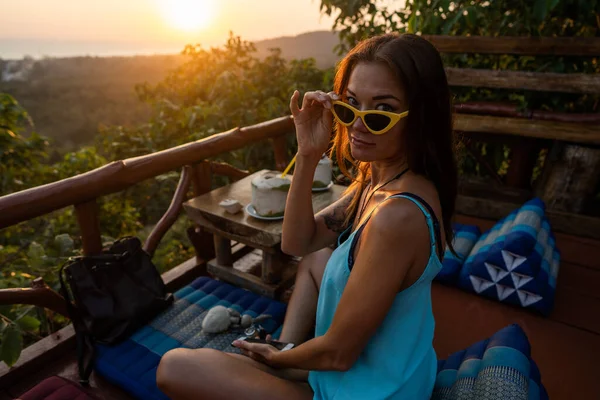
x=370 y=297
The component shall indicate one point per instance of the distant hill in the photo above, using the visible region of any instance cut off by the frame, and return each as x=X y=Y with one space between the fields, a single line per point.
x=68 y=98
x=319 y=45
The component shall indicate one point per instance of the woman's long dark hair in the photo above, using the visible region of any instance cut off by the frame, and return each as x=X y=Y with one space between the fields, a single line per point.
x=428 y=140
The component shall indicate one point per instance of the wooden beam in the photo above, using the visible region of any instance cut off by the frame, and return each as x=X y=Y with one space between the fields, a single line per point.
x=119 y=175
x=89 y=225
x=511 y=110
x=564 y=131
x=572 y=224
x=483 y=188
x=523 y=158
x=184 y=273
x=245 y=273
x=537 y=81
x=565 y=46
x=39 y=294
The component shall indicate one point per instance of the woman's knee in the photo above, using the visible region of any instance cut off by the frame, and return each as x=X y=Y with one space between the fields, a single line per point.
x=168 y=367
x=177 y=364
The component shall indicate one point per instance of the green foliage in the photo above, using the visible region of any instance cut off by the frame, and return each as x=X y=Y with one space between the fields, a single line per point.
x=12 y=342
x=360 y=19
x=20 y=159
x=213 y=91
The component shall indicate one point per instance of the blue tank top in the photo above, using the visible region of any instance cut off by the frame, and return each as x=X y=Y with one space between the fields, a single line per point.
x=399 y=361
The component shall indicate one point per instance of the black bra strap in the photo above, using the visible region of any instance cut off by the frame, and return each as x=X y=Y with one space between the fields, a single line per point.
x=434 y=219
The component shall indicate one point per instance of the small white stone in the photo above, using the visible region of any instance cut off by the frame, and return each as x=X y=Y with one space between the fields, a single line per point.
x=231 y=206
x=217 y=320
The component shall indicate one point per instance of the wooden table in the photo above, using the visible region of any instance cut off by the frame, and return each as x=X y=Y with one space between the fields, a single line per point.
x=262 y=267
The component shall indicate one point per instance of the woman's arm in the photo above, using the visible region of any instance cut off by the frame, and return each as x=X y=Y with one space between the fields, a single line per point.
x=388 y=248
x=303 y=231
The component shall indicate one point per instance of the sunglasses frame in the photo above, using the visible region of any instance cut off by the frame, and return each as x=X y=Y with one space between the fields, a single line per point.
x=394 y=117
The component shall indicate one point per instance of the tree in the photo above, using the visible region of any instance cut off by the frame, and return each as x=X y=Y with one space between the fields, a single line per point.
x=359 y=19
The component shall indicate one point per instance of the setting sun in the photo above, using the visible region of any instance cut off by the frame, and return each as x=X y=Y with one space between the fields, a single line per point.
x=188 y=15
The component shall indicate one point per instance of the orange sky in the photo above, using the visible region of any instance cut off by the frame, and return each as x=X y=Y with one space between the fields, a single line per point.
x=146 y=22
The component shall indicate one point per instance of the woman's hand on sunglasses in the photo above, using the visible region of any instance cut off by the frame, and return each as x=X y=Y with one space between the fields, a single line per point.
x=314 y=122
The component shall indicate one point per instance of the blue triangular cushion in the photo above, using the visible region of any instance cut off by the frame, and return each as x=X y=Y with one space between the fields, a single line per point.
x=518 y=252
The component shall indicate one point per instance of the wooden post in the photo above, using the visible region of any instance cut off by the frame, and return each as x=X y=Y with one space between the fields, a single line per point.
x=202 y=241
x=280 y=150
x=523 y=158
x=87 y=218
x=272 y=266
x=201 y=178
x=223 y=251
x=570 y=178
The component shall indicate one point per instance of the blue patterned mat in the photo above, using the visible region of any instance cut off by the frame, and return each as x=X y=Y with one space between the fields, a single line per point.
x=132 y=364
x=497 y=368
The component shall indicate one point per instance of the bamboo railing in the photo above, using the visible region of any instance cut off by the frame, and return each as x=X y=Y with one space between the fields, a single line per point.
x=83 y=190
x=119 y=175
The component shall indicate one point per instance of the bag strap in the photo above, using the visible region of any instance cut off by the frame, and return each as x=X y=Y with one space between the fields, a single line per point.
x=85 y=344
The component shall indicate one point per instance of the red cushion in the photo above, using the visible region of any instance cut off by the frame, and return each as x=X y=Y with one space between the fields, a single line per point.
x=56 y=388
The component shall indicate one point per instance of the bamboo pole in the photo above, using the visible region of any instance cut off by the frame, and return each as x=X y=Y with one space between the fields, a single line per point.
x=119 y=175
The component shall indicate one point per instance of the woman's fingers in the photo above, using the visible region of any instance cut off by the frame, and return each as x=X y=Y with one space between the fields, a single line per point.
x=310 y=98
x=294 y=103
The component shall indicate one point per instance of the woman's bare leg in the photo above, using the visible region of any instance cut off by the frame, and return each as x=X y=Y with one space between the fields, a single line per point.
x=302 y=308
x=211 y=374
x=291 y=374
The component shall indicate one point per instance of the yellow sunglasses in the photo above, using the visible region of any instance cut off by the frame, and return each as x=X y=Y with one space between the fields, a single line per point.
x=377 y=122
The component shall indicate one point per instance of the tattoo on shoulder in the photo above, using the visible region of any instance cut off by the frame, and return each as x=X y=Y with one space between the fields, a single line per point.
x=335 y=219
x=334 y=223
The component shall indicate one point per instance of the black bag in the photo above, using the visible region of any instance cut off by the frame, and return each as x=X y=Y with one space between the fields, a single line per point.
x=113 y=294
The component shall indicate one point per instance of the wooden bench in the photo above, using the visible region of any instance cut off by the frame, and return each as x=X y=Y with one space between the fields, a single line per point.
x=562 y=186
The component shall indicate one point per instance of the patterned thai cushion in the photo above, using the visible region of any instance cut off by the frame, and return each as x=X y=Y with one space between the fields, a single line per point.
x=132 y=364
x=516 y=261
x=57 y=388
x=465 y=237
x=497 y=368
